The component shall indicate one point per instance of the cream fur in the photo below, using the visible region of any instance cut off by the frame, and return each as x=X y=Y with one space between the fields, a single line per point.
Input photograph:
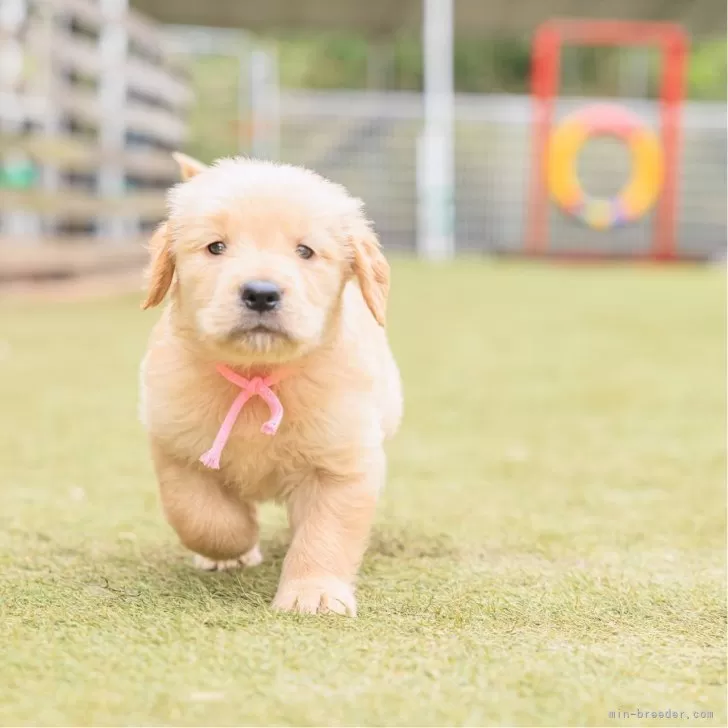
x=342 y=398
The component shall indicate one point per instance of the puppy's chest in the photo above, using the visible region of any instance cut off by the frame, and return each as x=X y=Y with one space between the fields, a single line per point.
x=193 y=416
x=315 y=431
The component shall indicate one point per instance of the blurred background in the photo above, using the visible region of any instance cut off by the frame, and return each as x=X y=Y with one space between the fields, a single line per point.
x=424 y=108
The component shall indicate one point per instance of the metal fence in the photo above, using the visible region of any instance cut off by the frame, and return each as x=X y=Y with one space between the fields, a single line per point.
x=368 y=142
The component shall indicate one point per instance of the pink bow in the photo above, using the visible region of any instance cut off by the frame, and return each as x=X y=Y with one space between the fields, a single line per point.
x=260 y=386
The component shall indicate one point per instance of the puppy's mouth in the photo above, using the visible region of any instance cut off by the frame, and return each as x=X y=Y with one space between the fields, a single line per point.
x=258 y=330
x=264 y=329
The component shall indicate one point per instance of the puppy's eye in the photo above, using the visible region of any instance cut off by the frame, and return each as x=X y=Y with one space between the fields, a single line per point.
x=304 y=251
x=217 y=248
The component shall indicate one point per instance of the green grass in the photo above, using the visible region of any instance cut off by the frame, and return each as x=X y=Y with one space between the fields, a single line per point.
x=550 y=546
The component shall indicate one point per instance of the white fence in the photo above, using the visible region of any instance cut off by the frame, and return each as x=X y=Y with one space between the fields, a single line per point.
x=89 y=110
x=103 y=106
x=368 y=142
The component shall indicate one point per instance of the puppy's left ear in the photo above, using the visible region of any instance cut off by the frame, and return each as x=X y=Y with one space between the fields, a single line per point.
x=161 y=269
x=188 y=167
x=372 y=271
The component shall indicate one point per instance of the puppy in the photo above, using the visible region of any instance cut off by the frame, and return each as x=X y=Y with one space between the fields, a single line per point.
x=269 y=375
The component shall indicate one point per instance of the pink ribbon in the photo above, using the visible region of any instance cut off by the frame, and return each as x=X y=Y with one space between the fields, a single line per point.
x=260 y=386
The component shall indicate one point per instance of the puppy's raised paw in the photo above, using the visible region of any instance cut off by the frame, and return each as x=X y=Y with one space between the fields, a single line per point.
x=315 y=596
x=248 y=559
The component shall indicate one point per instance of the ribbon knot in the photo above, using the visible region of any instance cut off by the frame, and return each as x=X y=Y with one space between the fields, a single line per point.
x=257 y=386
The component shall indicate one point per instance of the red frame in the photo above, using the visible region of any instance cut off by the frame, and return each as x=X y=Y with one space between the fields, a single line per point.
x=547 y=44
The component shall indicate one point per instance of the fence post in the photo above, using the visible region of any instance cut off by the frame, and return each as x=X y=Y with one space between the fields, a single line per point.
x=14 y=20
x=200 y=41
x=54 y=21
x=264 y=103
x=435 y=153
x=112 y=110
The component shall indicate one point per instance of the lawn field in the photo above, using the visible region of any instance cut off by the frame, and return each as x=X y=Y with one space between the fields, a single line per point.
x=550 y=546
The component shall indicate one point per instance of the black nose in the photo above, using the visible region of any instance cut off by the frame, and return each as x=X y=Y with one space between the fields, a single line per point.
x=261 y=296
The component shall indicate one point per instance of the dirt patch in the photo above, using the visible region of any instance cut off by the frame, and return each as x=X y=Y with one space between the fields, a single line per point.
x=411 y=544
x=75 y=288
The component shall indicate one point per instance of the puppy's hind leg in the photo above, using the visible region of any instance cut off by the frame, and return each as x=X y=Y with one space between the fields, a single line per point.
x=219 y=528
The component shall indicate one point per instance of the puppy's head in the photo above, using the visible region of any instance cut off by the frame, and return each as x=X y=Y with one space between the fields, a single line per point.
x=257 y=255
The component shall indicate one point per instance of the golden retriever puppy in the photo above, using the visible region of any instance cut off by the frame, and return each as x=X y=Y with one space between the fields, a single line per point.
x=269 y=375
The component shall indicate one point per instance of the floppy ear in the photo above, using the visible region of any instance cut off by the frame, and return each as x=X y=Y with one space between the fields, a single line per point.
x=372 y=271
x=161 y=269
x=188 y=167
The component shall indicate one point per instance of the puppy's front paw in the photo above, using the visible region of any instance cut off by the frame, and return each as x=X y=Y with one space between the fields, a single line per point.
x=315 y=596
x=248 y=559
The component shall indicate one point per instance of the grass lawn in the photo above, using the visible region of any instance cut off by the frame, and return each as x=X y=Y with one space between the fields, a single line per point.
x=550 y=546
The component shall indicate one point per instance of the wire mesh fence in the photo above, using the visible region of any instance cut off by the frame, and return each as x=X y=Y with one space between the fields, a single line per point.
x=368 y=142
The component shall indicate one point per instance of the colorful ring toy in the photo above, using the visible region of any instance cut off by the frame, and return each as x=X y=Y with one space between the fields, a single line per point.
x=638 y=194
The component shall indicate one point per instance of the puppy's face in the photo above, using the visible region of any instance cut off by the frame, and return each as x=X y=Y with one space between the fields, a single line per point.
x=261 y=253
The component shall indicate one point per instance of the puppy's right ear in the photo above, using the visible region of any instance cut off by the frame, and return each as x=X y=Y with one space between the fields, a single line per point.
x=188 y=167
x=161 y=269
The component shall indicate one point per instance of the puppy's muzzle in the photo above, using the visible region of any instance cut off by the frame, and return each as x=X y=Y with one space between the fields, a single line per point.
x=261 y=296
